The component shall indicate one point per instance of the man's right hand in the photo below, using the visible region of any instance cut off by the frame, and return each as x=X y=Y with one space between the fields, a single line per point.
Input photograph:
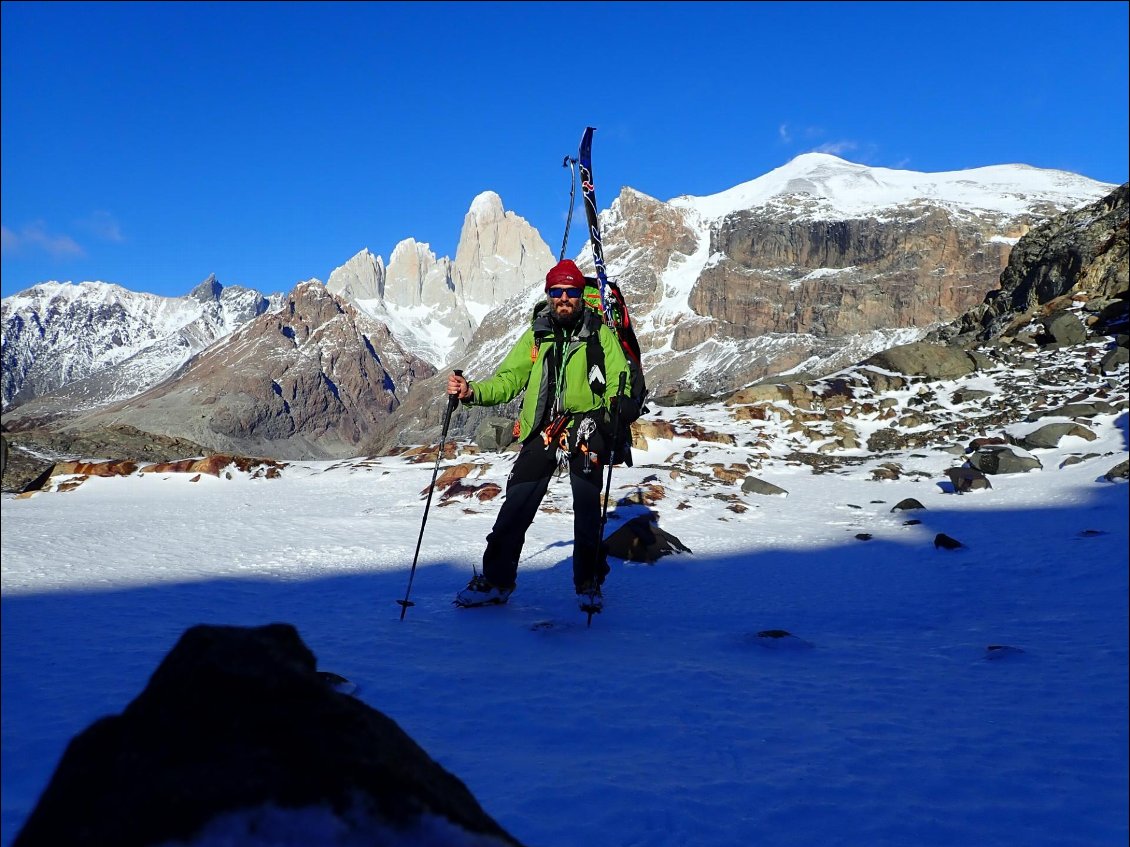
x=458 y=386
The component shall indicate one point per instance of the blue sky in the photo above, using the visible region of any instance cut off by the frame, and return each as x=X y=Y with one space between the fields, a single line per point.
x=151 y=144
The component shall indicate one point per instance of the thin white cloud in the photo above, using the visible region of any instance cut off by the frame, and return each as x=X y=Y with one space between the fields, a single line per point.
x=836 y=148
x=9 y=241
x=34 y=238
x=788 y=133
x=104 y=226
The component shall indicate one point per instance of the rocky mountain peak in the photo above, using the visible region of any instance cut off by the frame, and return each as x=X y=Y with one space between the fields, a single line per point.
x=499 y=255
x=487 y=206
x=415 y=277
x=361 y=278
x=310 y=379
x=207 y=291
x=435 y=304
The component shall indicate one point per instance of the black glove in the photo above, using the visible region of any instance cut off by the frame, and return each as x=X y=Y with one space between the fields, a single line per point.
x=623 y=410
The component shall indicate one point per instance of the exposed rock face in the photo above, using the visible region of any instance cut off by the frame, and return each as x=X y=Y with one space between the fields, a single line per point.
x=308 y=381
x=768 y=290
x=1081 y=255
x=435 y=305
x=644 y=236
x=816 y=265
x=836 y=278
x=499 y=256
x=236 y=726
x=416 y=277
x=361 y=278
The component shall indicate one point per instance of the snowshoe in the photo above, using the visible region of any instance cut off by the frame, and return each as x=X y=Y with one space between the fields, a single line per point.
x=480 y=592
x=589 y=599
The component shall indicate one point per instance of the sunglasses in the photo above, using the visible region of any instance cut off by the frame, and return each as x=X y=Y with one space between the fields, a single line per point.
x=571 y=293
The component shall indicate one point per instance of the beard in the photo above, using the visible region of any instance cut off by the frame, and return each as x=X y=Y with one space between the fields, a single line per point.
x=566 y=314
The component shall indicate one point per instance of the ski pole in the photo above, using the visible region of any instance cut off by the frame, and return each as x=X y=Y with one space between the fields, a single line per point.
x=569 y=163
x=612 y=452
x=452 y=402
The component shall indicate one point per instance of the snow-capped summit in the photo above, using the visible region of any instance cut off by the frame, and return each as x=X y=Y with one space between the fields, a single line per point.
x=823 y=185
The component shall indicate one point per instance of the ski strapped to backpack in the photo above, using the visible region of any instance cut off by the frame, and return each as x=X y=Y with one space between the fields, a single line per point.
x=605 y=296
x=588 y=191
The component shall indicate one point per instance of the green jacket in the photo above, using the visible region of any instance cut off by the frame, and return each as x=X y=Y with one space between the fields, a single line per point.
x=527 y=365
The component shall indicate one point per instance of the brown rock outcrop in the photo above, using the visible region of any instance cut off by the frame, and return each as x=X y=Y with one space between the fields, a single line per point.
x=833 y=278
x=1080 y=255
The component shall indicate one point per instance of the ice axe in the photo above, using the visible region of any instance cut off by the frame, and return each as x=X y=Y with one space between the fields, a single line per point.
x=452 y=402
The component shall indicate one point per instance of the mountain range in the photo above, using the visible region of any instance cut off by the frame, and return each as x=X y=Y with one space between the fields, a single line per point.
x=814 y=266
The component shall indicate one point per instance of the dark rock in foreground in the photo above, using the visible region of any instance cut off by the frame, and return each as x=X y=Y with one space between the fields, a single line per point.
x=240 y=719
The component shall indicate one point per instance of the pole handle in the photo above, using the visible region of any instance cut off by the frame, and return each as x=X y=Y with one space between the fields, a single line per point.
x=452 y=402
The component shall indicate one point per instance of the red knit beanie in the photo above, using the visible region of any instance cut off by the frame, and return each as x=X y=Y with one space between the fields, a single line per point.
x=564 y=272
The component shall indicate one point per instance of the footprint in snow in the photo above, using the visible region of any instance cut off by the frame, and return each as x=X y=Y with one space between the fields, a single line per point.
x=779 y=639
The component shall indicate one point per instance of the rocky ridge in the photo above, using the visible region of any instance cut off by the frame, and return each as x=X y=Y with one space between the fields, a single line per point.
x=434 y=305
x=308 y=380
x=723 y=292
x=792 y=272
x=94 y=343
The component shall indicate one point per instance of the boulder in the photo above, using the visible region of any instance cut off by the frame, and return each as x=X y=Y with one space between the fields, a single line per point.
x=1065 y=329
x=1113 y=360
x=966 y=395
x=753 y=485
x=1119 y=471
x=945 y=542
x=1002 y=459
x=681 y=398
x=494 y=433
x=1074 y=410
x=237 y=723
x=1049 y=435
x=907 y=505
x=933 y=361
x=641 y=540
x=967 y=479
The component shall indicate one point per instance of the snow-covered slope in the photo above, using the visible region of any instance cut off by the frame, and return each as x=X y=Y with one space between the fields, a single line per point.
x=817 y=671
x=118 y=341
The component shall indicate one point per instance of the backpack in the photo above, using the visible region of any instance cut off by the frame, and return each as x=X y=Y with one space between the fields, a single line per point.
x=630 y=407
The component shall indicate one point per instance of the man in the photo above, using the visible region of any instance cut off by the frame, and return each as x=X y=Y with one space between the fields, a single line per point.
x=569 y=363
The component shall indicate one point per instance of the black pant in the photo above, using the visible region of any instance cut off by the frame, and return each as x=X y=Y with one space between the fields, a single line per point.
x=525 y=488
